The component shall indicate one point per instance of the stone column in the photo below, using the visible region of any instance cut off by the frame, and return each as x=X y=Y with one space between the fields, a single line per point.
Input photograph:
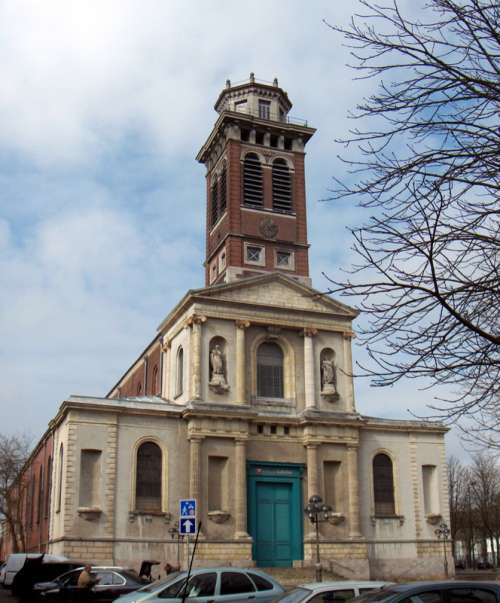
x=241 y=366
x=348 y=378
x=195 y=468
x=165 y=369
x=195 y=323
x=312 y=470
x=309 y=373
x=240 y=490
x=312 y=479
x=353 y=490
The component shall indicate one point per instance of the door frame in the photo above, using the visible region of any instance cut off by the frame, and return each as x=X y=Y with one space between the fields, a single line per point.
x=277 y=473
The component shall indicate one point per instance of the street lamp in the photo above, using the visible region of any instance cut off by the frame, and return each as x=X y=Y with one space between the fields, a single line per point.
x=317 y=511
x=442 y=533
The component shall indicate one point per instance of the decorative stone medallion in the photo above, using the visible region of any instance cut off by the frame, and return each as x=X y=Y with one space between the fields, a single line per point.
x=268 y=228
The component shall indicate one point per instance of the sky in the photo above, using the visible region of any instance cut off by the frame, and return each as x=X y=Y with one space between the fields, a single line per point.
x=103 y=108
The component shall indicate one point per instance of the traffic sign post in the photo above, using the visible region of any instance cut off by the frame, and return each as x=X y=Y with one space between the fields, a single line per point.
x=187 y=525
x=187 y=516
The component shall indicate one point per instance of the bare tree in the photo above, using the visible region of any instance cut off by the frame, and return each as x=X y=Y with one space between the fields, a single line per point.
x=14 y=451
x=485 y=485
x=427 y=169
x=457 y=491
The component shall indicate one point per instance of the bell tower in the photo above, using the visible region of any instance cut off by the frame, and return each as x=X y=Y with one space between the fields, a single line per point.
x=256 y=203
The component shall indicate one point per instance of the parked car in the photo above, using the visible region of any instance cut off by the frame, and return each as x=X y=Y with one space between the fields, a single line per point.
x=452 y=591
x=15 y=562
x=34 y=570
x=214 y=585
x=2 y=572
x=327 y=592
x=112 y=582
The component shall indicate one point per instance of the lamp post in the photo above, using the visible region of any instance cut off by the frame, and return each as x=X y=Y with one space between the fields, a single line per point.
x=317 y=511
x=442 y=532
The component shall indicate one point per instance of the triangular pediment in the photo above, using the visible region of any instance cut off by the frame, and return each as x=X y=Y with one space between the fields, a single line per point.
x=278 y=291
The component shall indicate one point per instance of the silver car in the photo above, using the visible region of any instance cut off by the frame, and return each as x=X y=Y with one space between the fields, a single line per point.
x=330 y=592
x=210 y=585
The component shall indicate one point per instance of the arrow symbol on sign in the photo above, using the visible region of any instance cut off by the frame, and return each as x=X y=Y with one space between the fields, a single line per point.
x=188 y=525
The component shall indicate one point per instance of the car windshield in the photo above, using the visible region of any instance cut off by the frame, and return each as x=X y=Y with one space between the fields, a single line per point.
x=294 y=596
x=150 y=588
x=375 y=596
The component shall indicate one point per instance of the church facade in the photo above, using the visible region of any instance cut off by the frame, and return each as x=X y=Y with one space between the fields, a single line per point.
x=244 y=399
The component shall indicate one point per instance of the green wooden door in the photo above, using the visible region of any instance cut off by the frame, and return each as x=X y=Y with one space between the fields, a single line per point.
x=275 y=518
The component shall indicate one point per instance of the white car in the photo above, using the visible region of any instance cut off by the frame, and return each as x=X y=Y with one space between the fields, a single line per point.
x=330 y=592
x=15 y=562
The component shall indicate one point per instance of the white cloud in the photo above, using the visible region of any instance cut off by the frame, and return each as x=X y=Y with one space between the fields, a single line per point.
x=103 y=108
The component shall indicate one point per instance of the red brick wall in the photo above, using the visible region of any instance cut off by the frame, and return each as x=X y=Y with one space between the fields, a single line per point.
x=36 y=496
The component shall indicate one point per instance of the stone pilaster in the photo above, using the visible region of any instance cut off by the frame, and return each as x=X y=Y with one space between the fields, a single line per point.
x=349 y=385
x=195 y=323
x=241 y=325
x=240 y=492
x=309 y=372
x=353 y=491
x=313 y=485
x=166 y=350
x=195 y=468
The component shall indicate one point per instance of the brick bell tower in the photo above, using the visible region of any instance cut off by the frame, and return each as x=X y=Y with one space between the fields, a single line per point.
x=256 y=201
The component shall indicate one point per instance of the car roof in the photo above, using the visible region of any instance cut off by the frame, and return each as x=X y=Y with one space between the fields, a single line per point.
x=443 y=584
x=344 y=584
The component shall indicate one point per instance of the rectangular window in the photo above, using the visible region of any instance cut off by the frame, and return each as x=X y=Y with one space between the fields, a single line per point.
x=254 y=254
x=332 y=485
x=90 y=477
x=218 y=483
x=264 y=109
x=430 y=489
x=283 y=258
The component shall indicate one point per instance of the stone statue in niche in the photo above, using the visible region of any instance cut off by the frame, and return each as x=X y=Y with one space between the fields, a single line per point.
x=328 y=377
x=217 y=381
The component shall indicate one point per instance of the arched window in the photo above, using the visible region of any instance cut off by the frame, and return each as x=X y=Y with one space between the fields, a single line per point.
x=179 y=372
x=282 y=186
x=252 y=181
x=139 y=389
x=39 y=503
x=270 y=370
x=383 y=485
x=60 y=478
x=214 y=202
x=155 y=381
x=148 y=477
x=223 y=190
x=49 y=487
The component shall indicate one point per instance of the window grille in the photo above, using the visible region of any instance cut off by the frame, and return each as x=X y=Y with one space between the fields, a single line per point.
x=252 y=181
x=283 y=258
x=270 y=371
x=214 y=206
x=254 y=254
x=148 y=477
x=383 y=485
x=282 y=186
x=223 y=190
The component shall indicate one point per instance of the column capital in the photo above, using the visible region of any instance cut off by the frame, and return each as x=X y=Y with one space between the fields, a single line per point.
x=310 y=332
x=242 y=324
x=196 y=439
x=166 y=345
x=353 y=447
x=348 y=335
x=312 y=445
x=195 y=319
x=241 y=440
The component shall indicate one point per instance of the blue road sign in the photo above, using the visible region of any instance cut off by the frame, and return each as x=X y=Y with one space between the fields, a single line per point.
x=187 y=525
x=187 y=507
